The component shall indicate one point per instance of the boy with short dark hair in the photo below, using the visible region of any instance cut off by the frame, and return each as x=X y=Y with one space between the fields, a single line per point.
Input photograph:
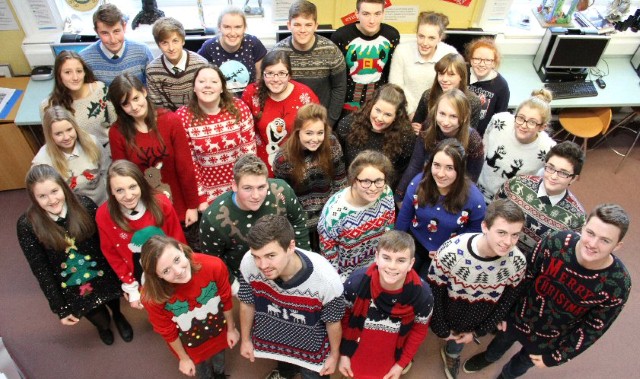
x=474 y=278
x=388 y=293
x=291 y=303
x=170 y=76
x=574 y=290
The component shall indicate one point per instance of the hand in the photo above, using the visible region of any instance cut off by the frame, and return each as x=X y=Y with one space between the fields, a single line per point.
x=246 y=350
x=233 y=336
x=69 y=320
x=502 y=326
x=136 y=304
x=417 y=127
x=190 y=217
x=203 y=206
x=345 y=366
x=329 y=365
x=433 y=253
x=187 y=367
x=394 y=373
x=464 y=337
x=537 y=360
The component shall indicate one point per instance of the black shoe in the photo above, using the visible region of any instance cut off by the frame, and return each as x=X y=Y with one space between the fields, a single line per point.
x=124 y=328
x=106 y=336
x=476 y=363
x=220 y=375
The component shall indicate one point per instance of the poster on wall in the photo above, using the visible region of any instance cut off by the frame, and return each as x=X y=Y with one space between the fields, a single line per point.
x=7 y=21
x=42 y=14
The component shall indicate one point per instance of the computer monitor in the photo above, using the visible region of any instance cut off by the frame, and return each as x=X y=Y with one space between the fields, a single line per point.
x=57 y=48
x=459 y=38
x=576 y=51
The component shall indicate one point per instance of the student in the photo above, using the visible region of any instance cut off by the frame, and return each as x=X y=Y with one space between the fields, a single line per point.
x=274 y=101
x=368 y=47
x=74 y=154
x=353 y=219
x=413 y=64
x=575 y=288
x=225 y=224
x=188 y=299
x=133 y=213
x=315 y=60
x=156 y=142
x=77 y=90
x=311 y=162
x=58 y=236
x=440 y=202
x=485 y=81
x=114 y=55
x=170 y=75
x=516 y=144
x=219 y=129
x=546 y=201
x=292 y=291
x=474 y=278
x=382 y=125
x=238 y=54
x=388 y=293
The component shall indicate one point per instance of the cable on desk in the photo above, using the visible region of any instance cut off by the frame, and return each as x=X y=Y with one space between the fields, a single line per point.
x=595 y=71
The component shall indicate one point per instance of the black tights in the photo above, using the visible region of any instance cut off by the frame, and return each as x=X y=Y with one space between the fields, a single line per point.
x=100 y=317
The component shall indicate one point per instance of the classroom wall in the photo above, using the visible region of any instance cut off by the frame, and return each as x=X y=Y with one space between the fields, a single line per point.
x=12 y=48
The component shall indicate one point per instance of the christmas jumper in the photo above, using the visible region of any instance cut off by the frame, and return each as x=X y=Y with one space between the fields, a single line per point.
x=172 y=156
x=168 y=89
x=368 y=60
x=290 y=317
x=75 y=280
x=431 y=225
x=316 y=186
x=224 y=226
x=321 y=68
x=216 y=143
x=133 y=60
x=375 y=141
x=420 y=156
x=494 y=97
x=413 y=73
x=349 y=234
x=381 y=328
x=121 y=247
x=422 y=111
x=472 y=293
x=94 y=113
x=195 y=311
x=274 y=121
x=84 y=177
x=540 y=218
x=505 y=157
x=582 y=303
x=239 y=68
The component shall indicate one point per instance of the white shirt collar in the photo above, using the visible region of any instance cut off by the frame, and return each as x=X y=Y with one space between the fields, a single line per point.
x=473 y=78
x=555 y=199
x=62 y=214
x=140 y=208
x=182 y=63
x=74 y=154
x=110 y=54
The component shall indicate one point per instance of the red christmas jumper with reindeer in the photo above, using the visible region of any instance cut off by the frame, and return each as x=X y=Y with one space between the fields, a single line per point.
x=173 y=152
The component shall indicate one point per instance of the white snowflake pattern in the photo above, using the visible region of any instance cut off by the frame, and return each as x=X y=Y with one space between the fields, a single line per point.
x=305 y=98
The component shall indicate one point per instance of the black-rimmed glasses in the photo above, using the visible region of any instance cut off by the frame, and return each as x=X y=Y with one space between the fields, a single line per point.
x=366 y=183
x=531 y=123
x=562 y=174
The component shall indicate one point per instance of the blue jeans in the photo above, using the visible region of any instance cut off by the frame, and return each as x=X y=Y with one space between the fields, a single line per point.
x=289 y=370
x=519 y=363
x=205 y=370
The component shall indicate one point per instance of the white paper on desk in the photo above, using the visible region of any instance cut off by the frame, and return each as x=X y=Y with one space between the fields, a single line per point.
x=7 y=21
x=5 y=96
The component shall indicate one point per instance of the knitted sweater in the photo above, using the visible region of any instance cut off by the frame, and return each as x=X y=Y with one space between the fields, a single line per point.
x=224 y=226
x=216 y=143
x=413 y=73
x=133 y=60
x=239 y=68
x=505 y=156
x=431 y=225
x=94 y=113
x=472 y=293
x=74 y=281
x=274 y=121
x=172 y=156
x=540 y=218
x=582 y=303
x=194 y=313
x=349 y=234
x=316 y=186
x=422 y=111
x=290 y=317
x=168 y=89
x=323 y=69
x=368 y=60
x=494 y=97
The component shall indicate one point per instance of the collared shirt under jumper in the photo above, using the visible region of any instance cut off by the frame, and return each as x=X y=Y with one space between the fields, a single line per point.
x=133 y=60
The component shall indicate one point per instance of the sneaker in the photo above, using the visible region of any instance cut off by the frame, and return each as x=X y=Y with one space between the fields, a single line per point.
x=407 y=368
x=451 y=364
x=476 y=363
x=275 y=374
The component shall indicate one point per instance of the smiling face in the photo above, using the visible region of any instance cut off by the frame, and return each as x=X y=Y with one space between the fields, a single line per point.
x=172 y=47
x=50 y=196
x=232 y=30
x=64 y=135
x=275 y=83
x=443 y=172
x=501 y=237
x=112 y=37
x=173 y=266
x=428 y=37
x=393 y=267
x=597 y=242
x=251 y=190
x=447 y=118
x=382 y=115
x=449 y=79
x=273 y=261
x=370 y=16
x=72 y=75
x=303 y=31
x=136 y=104
x=484 y=67
x=312 y=134
x=525 y=134
x=553 y=183
x=207 y=87
x=126 y=191
x=363 y=196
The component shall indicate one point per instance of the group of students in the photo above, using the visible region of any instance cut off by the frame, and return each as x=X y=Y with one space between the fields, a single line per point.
x=181 y=183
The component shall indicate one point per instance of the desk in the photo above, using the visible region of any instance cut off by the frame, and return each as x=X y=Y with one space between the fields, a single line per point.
x=622 y=88
x=28 y=117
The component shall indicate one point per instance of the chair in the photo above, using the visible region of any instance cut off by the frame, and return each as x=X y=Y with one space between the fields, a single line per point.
x=623 y=124
x=585 y=122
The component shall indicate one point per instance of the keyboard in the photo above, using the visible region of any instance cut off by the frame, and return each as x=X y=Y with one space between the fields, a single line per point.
x=569 y=90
